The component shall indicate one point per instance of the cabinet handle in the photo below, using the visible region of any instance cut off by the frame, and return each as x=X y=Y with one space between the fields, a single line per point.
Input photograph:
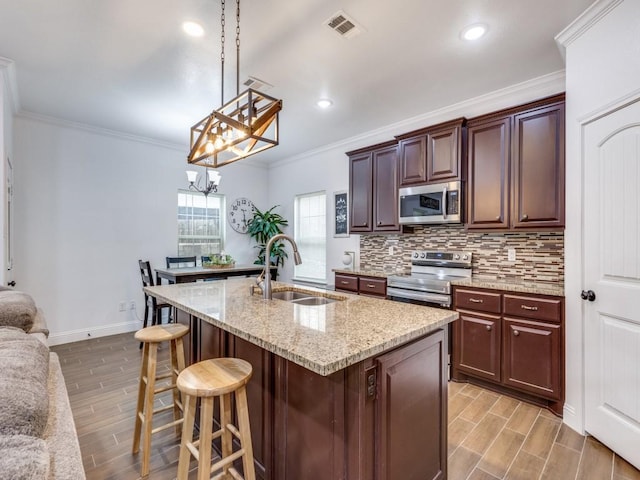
x=527 y=307
x=344 y=282
x=369 y=285
x=516 y=333
x=379 y=223
x=525 y=216
x=476 y=300
x=488 y=327
x=498 y=217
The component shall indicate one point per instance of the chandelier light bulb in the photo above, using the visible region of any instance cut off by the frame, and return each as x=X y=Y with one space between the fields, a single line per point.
x=209 y=148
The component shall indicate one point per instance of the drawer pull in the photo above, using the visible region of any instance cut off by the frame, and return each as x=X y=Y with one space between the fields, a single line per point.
x=525 y=217
x=476 y=300
x=370 y=285
x=527 y=307
x=344 y=282
x=516 y=333
x=488 y=327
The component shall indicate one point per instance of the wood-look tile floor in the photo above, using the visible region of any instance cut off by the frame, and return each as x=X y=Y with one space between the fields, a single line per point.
x=490 y=436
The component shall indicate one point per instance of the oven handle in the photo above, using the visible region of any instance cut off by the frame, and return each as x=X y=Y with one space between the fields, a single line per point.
x=444 y=300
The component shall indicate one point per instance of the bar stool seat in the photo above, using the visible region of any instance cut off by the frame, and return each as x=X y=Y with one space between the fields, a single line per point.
x=219 y=377
x=151 y=337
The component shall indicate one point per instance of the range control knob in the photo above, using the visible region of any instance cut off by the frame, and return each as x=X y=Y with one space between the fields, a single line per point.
x=456 y=257
x=423 y=255
x=465 y=257
x=416 y=254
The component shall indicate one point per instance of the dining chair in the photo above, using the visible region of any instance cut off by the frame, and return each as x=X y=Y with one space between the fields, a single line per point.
x=178 y=262
x=156 y=308
x=205 y=259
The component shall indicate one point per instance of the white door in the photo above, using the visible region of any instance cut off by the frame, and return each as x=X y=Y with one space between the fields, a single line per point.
x=612 y=273
x=7 y=231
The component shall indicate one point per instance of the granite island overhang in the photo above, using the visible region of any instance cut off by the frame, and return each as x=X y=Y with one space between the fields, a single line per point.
x=354 y=389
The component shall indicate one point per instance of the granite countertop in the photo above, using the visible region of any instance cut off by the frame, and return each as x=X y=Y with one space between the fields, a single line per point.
x=322 y=338
x=512 y=285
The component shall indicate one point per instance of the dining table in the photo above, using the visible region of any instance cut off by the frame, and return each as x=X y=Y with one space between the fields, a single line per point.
x=192 y=274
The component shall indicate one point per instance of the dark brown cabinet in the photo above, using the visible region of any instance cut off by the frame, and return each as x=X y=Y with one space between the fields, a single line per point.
x=384 y=417
x=511 y=342
x=516 y=168
x=362 y=285
x=373 y=187
x=433 y=154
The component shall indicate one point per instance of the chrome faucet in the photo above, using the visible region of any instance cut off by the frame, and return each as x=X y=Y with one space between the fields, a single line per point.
x=265 y=276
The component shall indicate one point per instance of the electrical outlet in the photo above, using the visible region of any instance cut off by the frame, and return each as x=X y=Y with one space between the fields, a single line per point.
x=132 y=305
x=122 y=306
x=511 y=254
x=391 y=250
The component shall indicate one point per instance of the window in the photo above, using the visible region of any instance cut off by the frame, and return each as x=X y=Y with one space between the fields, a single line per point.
x=310 y=234
x=200 y=224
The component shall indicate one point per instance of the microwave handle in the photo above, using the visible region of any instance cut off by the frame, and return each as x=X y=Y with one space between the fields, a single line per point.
x=444 y=202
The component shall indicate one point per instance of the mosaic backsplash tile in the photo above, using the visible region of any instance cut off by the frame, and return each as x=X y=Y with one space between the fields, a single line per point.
x=539 y=256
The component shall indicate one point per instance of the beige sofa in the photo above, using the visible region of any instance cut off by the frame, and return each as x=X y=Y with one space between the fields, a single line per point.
x=38 y=439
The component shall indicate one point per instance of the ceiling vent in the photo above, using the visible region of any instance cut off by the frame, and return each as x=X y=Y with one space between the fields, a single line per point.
x=344 y=25
x=257 y=84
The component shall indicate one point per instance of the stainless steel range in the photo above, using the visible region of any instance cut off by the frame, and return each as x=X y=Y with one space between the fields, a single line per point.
x=429 y=282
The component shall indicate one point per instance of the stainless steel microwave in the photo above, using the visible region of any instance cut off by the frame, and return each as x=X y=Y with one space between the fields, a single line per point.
x=436 y=203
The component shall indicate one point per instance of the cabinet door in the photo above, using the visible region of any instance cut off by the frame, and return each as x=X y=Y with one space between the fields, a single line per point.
x=488 y=178
x=444 y=154
x=413 y=161
x=348 y=283
x=385 y=190
x=375 y=287
x=476 y=345
x=411 y=411
x=190 y=352
x=532 y=354
x=360 y=188
x=538 y=168
x=211 y=341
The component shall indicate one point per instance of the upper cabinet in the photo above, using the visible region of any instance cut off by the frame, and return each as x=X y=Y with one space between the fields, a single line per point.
x=373 y=185
x=516 y=168
x=433 y=154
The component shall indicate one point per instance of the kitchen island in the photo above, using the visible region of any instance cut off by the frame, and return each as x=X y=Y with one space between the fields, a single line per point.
x=354 y=390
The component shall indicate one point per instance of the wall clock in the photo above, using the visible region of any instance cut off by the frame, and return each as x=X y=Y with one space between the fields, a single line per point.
x=239 y=213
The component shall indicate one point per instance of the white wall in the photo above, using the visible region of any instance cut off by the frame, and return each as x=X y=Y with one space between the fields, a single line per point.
x=88 y=205
x=328 y=168
x=602 y=68
x=6 y=151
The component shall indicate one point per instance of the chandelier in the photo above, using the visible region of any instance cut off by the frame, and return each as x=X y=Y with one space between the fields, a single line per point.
x=211 y=184
x=243 y=126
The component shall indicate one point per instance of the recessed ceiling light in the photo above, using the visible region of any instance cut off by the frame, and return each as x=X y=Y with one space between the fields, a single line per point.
x=193 y=29
x=324 y=103
x=474 y=32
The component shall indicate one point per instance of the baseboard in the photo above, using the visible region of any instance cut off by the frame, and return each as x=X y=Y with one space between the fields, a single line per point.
x=572 y=420
x=85 y=333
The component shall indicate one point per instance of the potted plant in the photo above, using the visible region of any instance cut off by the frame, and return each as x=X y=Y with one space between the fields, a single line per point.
x=263 y=226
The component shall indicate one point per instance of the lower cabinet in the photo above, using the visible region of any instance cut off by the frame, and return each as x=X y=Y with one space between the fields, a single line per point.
x=512 y=342
x=383 y=418
x=361 y=284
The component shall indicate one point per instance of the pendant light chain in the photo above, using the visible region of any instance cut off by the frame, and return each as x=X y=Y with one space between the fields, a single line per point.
x=222 y=39
x=237 y=47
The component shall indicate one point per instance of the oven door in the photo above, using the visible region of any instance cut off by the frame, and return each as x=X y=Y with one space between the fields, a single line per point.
x=438 y=203
x=417 y=297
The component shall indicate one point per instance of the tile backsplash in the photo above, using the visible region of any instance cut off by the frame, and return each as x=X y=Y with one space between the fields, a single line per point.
x=539 y=256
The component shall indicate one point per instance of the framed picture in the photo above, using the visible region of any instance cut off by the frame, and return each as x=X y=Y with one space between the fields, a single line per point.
x=340 y=214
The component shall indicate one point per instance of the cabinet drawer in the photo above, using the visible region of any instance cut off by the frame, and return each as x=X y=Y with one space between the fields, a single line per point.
x=346 y=282
x=373 y=286
x=533 y=307
x=480 y=301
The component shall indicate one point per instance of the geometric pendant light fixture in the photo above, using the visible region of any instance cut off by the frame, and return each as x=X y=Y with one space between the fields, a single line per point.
x=243 y=126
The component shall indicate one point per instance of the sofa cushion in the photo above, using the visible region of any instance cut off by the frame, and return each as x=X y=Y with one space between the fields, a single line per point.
x=24 y=401
x=17 y=309
x=39 y=324
x=23 y=457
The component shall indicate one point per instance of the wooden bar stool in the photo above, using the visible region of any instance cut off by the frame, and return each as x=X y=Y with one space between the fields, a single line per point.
x=219 y=377
x=151 y=337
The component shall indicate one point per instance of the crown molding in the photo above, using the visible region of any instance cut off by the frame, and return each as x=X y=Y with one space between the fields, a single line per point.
x=37 y=117
x=584 y=22
x=8 y=72
x=519 y=93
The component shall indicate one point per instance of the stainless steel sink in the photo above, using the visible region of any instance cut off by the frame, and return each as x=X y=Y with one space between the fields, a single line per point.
x=303 y=298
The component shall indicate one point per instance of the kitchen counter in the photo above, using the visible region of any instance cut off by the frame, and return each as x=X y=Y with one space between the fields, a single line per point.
x=511 y=285
x=335 y=388
x=323 y=339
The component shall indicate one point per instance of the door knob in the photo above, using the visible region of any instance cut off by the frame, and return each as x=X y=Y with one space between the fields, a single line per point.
x=588 y=295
